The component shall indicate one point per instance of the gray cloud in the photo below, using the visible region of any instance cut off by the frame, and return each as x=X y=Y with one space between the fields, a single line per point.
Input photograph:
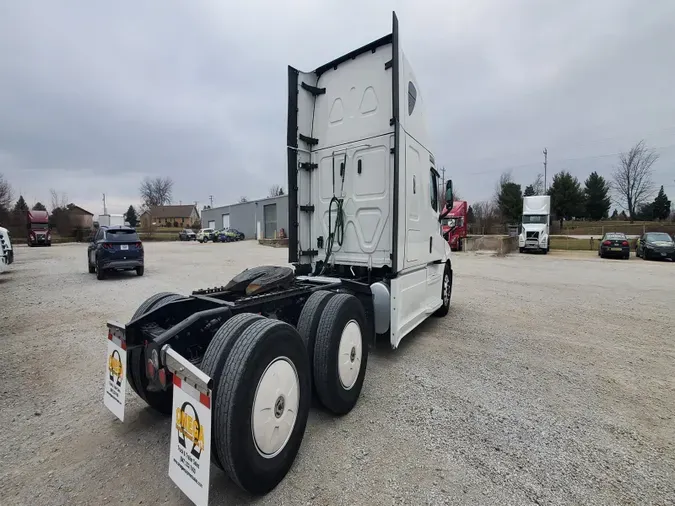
x=94 y=97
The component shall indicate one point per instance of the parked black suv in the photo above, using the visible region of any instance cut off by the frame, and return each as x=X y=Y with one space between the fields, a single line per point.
x=115 y=248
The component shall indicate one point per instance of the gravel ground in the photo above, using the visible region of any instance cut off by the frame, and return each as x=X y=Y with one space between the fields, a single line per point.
x=551 y=381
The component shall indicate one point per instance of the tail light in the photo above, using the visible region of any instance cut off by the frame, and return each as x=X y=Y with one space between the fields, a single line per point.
x=139 y=245
x=607 y=243
x=107 y=245
x=624 y=243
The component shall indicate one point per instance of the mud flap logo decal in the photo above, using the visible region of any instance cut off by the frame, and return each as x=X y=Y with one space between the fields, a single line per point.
x=115 y=368
x=115 y=379
x=189 y=428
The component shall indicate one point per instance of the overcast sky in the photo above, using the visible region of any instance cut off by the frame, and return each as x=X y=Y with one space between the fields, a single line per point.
x=96 y=95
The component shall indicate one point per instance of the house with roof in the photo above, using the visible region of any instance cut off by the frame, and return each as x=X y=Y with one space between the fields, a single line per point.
x=80 y=218
x=170 y=216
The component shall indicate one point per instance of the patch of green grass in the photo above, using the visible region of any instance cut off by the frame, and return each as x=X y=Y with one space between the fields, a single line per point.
x=572 y=244
x=565 y=243
x=158 y=236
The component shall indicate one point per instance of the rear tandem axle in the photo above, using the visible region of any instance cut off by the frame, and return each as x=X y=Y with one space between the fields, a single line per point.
x=260 y=347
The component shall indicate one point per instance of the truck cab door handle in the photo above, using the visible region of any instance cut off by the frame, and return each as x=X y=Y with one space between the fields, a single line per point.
x=431 y=238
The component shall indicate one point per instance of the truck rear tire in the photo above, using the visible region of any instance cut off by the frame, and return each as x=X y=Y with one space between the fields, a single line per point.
x=265 y=379
x=309 y=320
x=161 y=400
x=341 y=353
x=217 y=352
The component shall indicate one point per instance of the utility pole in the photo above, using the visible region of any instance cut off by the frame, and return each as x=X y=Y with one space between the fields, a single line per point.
x=545 y=166
x=105 y=211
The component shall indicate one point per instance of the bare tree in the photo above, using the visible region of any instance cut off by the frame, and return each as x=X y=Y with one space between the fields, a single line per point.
x=243 y=199
x=538 y=184
x=505 y=178
x=58 y=201
x=276 y=190
x=5 y=194
x=632 y=178
x=486 y=215
x=155 y=192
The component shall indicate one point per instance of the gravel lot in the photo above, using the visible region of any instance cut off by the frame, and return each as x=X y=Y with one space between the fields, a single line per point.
x=551 y=381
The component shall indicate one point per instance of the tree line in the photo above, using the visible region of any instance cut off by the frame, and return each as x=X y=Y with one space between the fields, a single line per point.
x=630 y=187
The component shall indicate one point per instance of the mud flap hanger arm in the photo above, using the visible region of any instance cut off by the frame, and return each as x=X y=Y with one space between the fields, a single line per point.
x=185 y=370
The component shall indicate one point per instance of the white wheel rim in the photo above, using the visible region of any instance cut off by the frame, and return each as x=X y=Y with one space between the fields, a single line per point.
x=349 y=354
x=446 y=289
x=275 y=407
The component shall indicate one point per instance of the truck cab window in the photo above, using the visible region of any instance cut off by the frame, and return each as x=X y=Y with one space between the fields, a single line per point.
x=433 y=190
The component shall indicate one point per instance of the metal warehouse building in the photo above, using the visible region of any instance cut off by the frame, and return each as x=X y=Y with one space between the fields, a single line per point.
x=264 y=216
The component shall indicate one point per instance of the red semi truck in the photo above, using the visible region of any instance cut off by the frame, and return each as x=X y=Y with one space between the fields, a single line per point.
x=454 y=224
x=38 y=228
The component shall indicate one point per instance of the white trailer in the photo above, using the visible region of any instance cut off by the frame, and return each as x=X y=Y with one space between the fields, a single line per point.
x=111 y=220
x=535 y=229
x=235 y=365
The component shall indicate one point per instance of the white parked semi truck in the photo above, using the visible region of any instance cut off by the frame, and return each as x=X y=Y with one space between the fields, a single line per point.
x=6 y=250
x=535 y=229
x=235 y=365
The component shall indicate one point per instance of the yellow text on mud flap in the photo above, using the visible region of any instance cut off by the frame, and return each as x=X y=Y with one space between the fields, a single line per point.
x=191 y=428
x=115 y=366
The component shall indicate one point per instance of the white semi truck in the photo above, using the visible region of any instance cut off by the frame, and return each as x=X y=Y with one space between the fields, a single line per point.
x=535 y=229
x=235 y=365
x=6 y=250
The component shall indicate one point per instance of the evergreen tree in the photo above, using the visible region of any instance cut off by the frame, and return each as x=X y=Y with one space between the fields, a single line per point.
x=39 y=206
x=510 y=202
x=567 y=198
x=20 y=206
x=661 y=206
x=131 y=217
x=470 y=218
x=529 y=191
x=615 y=215
x=645 y=212
x=596 y=193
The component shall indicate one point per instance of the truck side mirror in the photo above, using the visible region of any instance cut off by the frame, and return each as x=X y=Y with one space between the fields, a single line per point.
x=448 y=191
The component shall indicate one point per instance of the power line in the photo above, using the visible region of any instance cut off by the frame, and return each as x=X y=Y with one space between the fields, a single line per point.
x=590 y=142
x=558 y=160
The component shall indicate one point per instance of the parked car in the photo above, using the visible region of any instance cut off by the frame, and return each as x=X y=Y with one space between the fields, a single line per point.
x=233 y=232
x=614 y=244
x=656 y=245
x=228 y=235
x=115 y=248
x=187 y=235
x=205 y=235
